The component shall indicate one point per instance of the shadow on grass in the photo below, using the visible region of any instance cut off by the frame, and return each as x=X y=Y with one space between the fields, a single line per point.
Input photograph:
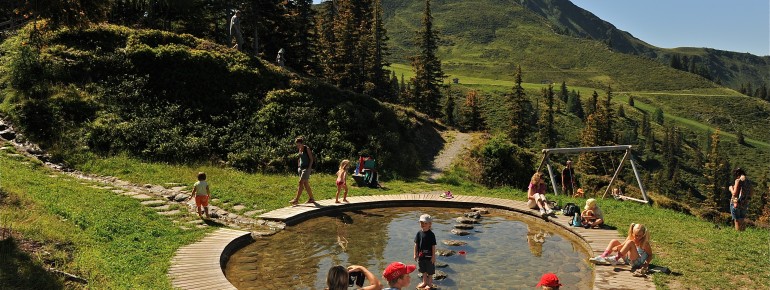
x=19 y=271
x=213 y=223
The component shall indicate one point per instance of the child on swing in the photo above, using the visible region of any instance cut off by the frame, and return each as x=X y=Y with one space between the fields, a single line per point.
x=342 y=175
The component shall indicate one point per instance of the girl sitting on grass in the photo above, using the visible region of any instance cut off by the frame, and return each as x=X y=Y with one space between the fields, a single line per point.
x=635 y=250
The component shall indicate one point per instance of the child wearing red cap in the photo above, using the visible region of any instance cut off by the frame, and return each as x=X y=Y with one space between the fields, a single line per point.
x=549 y=281
x=397 y=275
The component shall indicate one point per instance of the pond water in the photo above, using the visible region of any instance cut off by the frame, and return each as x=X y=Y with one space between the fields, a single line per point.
x=506 y=250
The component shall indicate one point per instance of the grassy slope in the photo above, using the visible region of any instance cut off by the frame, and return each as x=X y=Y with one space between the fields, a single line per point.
x=116 y=242
x=691 y=247
x=495 y=38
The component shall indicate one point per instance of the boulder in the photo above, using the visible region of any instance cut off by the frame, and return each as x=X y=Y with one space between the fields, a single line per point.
x=439 y=275
x=473 y=215
x=464 y=226
x=181 y=197
x=454 y=243
x=441 y=264
x=460 y=232
x=480 y=210
x=445 y=252
x=467 y=220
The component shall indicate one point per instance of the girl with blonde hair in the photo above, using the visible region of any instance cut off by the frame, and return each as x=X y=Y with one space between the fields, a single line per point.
x=536 y=195
x=635 y=250
x=592 y=215
x=342 y=176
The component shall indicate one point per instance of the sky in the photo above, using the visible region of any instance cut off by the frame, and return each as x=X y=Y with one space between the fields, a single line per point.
x=734 y=25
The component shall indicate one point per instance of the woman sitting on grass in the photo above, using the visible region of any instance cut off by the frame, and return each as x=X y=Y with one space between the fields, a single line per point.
x=635 y=250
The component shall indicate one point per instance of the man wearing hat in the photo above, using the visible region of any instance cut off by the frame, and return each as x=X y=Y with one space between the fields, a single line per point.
x=397 y=275
x=549 y=281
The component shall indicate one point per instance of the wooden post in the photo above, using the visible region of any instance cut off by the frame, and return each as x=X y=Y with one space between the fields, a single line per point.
x=617 y=172
x=553 y=180
x=639 y=180
x=544 y=160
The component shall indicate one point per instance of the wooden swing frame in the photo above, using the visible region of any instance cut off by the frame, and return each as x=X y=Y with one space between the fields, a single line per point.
x=576 y=150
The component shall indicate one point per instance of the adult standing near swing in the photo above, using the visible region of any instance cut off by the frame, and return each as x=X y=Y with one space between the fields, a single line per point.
x=235 y=30
x=568 y=179
x=739 y=202
x=305 y=166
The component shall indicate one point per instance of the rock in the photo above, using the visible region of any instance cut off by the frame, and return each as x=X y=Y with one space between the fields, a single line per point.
x=464 y=226
x=147 y=185
x=454 y=243
x=445 y=252
x=441 y=264
x=181 y=197
x=8 y=134
x=460 y=232
x=466 y=220
x=480 y=210
x=439 y=275
x=473 y=215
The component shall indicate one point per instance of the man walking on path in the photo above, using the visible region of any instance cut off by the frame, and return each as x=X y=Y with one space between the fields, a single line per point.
x=235 y=30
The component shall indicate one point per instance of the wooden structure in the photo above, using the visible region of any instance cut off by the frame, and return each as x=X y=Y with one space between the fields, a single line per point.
x=628 y=156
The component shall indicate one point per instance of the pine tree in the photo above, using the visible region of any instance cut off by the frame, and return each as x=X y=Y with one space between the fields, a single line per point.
x=563 y=93
x=547 y=129
x=375 y=63
x=590 y=136
x=591 y=104
x=520 y=108
x=717 y=172
x=621 y=112
x=657 y=115
x=574 y=105
x=428 y=77
x=606 y=119
x=449 y=110
x=631 y=101
x=395 y=88
x=471 y=112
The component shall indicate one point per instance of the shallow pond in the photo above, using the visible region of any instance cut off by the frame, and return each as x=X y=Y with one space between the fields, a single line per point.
x=506 y=250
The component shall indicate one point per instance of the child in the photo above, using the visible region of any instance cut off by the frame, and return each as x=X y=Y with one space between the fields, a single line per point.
x=592 y=216
x=202 y=194
x=424 y=250
x=635 y=250
x=342 y=176
x=549 y=281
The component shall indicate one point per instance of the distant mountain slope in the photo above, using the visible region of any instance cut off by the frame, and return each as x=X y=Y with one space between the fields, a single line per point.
x=557 y=40
x=727 y=67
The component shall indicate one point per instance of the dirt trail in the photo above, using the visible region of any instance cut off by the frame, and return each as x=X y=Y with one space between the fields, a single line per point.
x=449 y=153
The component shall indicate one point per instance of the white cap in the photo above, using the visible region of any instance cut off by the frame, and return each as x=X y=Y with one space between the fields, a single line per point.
x=426 y=218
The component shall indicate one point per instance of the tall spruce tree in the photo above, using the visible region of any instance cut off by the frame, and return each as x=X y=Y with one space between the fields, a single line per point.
x=471 y=112
x=563 y=93
x=592 y=103
x=574 y=105
x=589 y=162
x=520 y=108
x=429 y=77
x=547 y=129
x=607 y=119
x=717 y=173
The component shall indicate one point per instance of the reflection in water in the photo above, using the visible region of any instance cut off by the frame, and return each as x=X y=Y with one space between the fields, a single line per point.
x=505 y=251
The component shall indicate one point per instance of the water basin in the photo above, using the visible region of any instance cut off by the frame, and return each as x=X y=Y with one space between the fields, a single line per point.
x=505 y=250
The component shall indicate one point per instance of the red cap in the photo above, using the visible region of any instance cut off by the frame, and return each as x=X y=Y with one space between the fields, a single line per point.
x=549 y=280
x=396 y=269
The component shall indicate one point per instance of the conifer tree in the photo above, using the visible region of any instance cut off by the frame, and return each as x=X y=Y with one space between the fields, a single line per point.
x=575 y=106
x=606 y=118
x=631 y=101
x=547 y=130
x=591 y=104
x=395 y=89
x=590 y=136
x=449 y=110
x=657 y=115
x=717 y=173
x=428 y=77
x=520 y=108
x=563 y=93
x=376 y=74
x=471 y=112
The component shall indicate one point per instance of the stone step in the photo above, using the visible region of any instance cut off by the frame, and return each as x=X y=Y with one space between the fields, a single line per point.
x=153 y=203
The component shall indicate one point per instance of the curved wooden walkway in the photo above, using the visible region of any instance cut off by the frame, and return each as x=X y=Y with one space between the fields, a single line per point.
x=210 y=253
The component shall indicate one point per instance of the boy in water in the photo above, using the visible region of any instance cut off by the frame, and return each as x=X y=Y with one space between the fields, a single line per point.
x=424 y=252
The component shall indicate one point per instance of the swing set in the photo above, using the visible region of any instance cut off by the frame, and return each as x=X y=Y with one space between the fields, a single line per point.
x=576 y=150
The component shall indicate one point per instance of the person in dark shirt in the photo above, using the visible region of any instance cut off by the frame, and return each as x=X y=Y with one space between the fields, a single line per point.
x=568 y=179
x=424 y=251
x=305 y=166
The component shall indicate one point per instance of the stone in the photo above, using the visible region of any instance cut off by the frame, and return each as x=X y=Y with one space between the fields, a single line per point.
x=8 y=134
x=454 y=243
x=154 y=202
x=460 y=232
x=239 y=207
x=441 y=264
x=252 y=212
x=130 y=193
x=162 y=207
x=167 y=213
x=439 y=275
x=445 y=252
x=473 y=215
x=464 y=226
x=118 y=190
x=480 y=210
x=181 y=197
x=466 y=220
x=141 y=196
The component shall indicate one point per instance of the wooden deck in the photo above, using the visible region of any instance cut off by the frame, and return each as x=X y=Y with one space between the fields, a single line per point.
x=208 y=255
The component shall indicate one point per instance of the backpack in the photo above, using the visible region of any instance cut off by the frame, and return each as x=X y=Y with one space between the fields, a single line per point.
x=576 y=220
x=570 y=209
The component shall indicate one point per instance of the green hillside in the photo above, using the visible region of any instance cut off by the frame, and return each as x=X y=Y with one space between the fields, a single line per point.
x=175 y=98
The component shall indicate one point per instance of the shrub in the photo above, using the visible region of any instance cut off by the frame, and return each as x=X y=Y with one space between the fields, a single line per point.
x=503 y=163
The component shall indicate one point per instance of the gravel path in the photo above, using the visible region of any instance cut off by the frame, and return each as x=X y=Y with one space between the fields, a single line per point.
x=448 y=154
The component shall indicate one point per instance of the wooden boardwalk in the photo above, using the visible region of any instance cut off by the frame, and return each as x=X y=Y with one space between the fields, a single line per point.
x=209 y=254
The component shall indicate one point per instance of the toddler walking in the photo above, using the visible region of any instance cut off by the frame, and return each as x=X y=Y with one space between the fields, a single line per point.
x=202 y=194
x=424 y=252
x=342 y=176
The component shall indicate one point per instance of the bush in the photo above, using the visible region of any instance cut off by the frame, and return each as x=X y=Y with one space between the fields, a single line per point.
x=503 y=163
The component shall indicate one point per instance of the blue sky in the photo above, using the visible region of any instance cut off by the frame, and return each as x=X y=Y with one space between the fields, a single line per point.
x=742 y=25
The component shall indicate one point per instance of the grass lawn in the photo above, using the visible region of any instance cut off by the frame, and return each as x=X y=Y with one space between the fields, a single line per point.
x=108 y=239
x=695 y=250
